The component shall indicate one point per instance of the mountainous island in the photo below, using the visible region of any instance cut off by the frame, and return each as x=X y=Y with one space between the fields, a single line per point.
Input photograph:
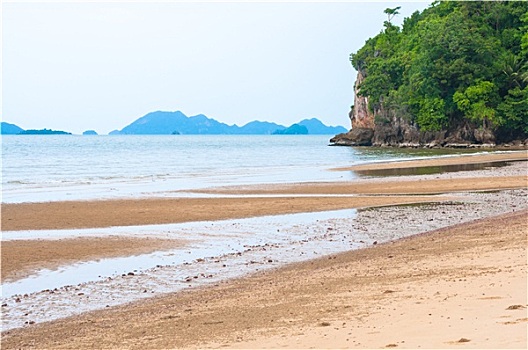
x=10 y=129
x=177 y=123
x=295 y=129
x=454 y=75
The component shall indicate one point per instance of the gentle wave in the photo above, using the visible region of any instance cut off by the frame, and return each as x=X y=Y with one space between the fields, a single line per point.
x=52 y=168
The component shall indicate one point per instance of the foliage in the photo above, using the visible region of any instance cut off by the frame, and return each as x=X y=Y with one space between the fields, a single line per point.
x=431 y=115
x=452 y=63
x=514 y=110
x=392 y=12
x=477 y=102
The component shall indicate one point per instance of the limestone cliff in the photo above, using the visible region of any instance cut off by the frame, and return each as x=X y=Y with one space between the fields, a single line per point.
x=360 y=115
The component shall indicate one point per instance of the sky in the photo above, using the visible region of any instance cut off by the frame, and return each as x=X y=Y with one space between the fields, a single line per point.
x=76 y=66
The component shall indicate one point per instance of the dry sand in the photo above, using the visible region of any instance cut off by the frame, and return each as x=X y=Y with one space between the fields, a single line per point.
x=459 y=287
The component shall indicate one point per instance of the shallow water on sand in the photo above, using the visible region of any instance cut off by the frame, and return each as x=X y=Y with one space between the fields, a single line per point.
x=429 y=170
x=216 y=251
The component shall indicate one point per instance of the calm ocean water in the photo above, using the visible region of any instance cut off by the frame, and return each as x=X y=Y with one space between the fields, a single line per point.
x=50 y=168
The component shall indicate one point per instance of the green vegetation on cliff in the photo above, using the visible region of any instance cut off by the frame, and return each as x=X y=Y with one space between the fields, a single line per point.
x=454 y=63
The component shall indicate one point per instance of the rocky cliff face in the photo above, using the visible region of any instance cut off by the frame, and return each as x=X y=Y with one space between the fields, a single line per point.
x=360 y=115
x=385 y=128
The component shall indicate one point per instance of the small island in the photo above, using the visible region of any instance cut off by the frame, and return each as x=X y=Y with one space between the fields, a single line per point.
x=294 y=129
x=44 y=132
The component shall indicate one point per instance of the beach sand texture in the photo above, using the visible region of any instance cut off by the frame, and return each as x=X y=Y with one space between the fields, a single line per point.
x=459 y=287
x=21 y=257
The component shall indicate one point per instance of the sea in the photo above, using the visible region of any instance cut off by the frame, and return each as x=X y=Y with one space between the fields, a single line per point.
x=73 y=167
x=43 y=168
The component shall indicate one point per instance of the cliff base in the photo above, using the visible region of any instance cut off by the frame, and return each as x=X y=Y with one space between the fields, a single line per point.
x=398 y=133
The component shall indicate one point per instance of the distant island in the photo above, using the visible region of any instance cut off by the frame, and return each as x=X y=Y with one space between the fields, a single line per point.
x=12 y=129
x=295 y=129
x=43 y=132
x=177 y=123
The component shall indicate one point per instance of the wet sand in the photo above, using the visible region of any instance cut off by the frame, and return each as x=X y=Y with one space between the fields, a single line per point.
x=381 y=187
x=460 y=287
x=458 y=160
x=379 y=297
x=21 y=257
x=89 y=214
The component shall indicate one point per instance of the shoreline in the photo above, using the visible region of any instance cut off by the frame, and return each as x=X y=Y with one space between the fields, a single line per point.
x=406 y=293
x=270 y=199
x=513 y=156
x=455 y=191
x=21 y=258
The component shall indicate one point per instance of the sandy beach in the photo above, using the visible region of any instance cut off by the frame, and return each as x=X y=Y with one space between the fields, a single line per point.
x=463 y=285
x=72 y=215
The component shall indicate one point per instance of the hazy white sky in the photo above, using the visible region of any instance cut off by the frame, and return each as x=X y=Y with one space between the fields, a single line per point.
x=96 y=65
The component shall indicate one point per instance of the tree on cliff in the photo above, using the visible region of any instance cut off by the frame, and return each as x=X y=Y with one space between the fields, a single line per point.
x=391 y=13
x=455 y=63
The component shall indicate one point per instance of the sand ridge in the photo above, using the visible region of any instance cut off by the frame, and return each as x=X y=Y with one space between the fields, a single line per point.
x=443 y=161
x=107 y=213
x=382 y=187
